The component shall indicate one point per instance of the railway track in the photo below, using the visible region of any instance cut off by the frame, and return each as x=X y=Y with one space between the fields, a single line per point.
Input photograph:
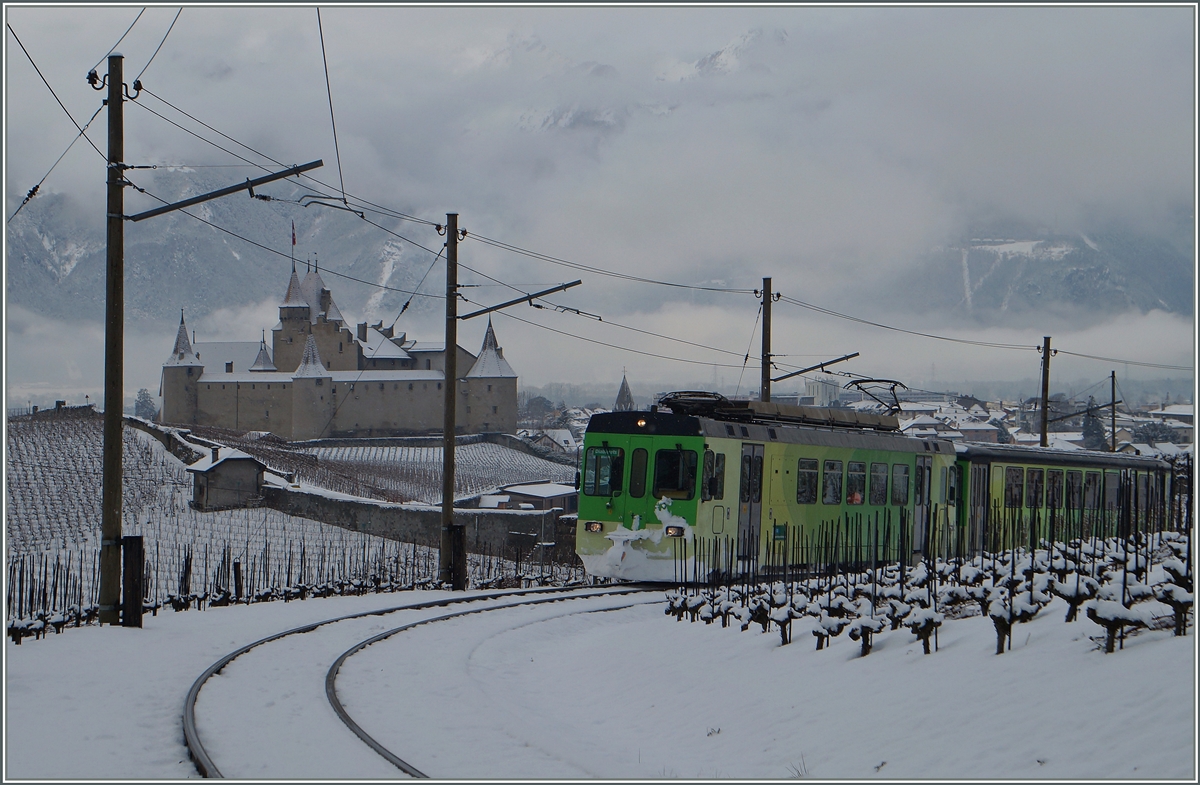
x=237 y=707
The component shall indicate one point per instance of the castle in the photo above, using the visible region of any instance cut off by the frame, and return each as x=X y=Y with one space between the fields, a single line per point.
x=319 y=379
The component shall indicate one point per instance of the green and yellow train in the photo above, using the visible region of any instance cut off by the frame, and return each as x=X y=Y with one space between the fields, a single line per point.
x=703 y=485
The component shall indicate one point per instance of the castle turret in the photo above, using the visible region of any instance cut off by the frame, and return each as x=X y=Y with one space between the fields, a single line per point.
x=313 y=396
x=489 y=391
x=180 y=380
x=263 y=361
x=288 y=337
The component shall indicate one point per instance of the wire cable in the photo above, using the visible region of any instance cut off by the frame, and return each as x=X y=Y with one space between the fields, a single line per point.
x=332 y=119
x=599 y=270
x=119 y=40
x=746 y=359
x=33 y=191
x=829 y=312
x=614 y=346
x=378 y=208
x=160 y=46
x=1128 y=362
x=282 y=254
x=51 y=89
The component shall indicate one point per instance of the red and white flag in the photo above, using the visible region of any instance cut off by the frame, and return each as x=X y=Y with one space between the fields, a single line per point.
x=293 y=234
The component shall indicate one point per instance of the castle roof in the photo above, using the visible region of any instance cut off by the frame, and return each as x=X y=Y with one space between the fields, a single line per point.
x=379 y=347
x=263 y=361
x=624 y=398
x=310 y=363
x=182 y=353
x=293 y=296
x=491 y=363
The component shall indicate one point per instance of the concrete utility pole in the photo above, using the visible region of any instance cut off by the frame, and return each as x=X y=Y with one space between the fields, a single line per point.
x=1045 y=391
x=1113 y=435
x=449 y=400
x=114 y=357
x=765 y=386
x=114 y=338
x=452 y=553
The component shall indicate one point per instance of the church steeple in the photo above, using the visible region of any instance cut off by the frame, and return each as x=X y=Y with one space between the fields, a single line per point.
x=624 y=401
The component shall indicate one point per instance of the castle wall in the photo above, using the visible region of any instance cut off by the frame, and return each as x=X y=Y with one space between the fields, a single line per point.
x=180 y=391
x=336 y=345
x=489 y=405
x=388 y=407
x=261 y=405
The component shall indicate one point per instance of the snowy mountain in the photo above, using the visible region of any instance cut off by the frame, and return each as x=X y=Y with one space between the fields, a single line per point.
x=56 y=253
x=1003 y=277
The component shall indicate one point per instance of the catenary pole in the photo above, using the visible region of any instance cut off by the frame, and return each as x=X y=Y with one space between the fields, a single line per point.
x=1113 y=435
x=765 y=387
x=114 y=361
x=1045 y=391
x=449 y=399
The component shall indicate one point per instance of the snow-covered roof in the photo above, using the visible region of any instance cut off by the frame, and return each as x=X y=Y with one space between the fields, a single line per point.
x=378 y=347
x=546 y=490
x=223 y=454
x=263 y=363
x=182 y=353
x=491 y=363
x=310 y=363
x=425 y=346
x=293 y=297
x=339 y=377
x=215 y=355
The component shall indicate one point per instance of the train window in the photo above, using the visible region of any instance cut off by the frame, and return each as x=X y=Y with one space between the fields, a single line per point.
x=747 y=462
x=1112 y=490
x=1054 y=489
x=831 y=487
x=1074 y=490
x=1014 y=480
x=1034 y=480
x=712 y=483
x=756 y=480
x=675 y=474
x=952 y=483
x=856 y=482
x=637 y=473
x=900 y=485
x=602 y=469
x=806 y=481
x=1091 y=491
x=879 y=472
x=1143 y=491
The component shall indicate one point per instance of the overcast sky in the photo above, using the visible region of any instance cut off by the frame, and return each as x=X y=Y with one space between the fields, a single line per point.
x=818 y=146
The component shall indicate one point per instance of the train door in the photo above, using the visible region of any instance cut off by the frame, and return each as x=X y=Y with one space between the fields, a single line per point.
x=639 y=482
x=750 y=506
x=921 y=501
x=979 y=506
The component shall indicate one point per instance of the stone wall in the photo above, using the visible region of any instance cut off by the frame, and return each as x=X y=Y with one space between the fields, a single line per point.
x=494 y=532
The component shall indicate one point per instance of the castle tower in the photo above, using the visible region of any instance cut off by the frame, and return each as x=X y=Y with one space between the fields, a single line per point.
x=179 y=384
x=313 y=397
x=489 y=391
x=289 y=336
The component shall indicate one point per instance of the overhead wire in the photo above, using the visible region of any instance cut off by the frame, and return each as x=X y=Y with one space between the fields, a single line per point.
x=1128 y=362
x=281 y=253
x=329 y=93
x=599 y=270
x=33 y=191
x=160 y=46
x=119 y=40
x=51 y=89
x=746 y=359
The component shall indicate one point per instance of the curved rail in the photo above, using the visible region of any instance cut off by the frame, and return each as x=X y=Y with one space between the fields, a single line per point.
x=200 y=757
x=331 y=676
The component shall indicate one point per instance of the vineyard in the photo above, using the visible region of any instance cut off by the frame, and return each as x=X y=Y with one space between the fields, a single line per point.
x=416 y=472
x=194 y=559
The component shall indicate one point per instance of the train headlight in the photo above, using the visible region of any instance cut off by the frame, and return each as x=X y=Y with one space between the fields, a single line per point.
x=641 y=423
x=594 y=526
x=674 y=531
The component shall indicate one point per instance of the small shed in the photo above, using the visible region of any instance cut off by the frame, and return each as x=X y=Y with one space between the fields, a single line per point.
x=226 y=478
x=543 y=496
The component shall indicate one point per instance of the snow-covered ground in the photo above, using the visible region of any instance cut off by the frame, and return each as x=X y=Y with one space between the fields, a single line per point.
x=545 y=691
